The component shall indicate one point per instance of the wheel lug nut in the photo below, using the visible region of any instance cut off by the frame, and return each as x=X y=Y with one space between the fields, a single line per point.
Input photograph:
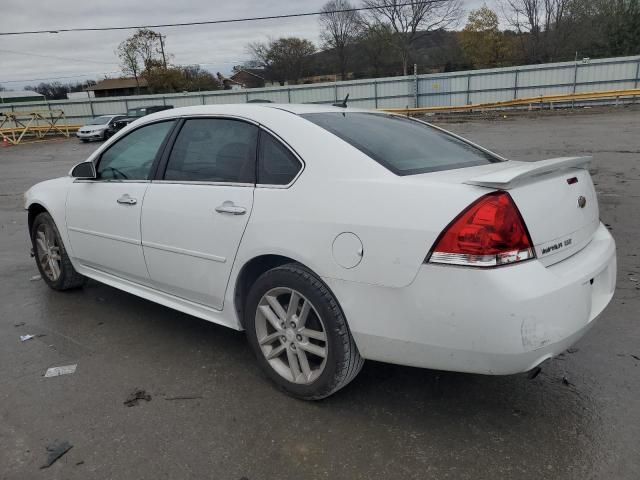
x=283 y=338
x=293 y=324
x=283 y=325
x=299 y=338
x=293 y=346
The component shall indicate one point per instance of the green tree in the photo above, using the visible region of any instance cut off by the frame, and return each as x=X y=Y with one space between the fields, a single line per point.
x=374 y=43
x=284 y=59
x=481 y=40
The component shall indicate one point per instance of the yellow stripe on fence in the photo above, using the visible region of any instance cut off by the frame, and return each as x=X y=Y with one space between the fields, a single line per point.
x=543 y=99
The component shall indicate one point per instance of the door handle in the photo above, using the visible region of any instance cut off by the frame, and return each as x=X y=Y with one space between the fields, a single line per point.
x=229 y=207
x=127 y=200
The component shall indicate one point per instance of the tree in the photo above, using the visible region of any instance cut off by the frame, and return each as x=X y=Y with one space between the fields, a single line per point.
x=482 y=41
x=57 y=90
x=410 y=20
x=374 y=43
x=619 y=22
x=340 y=29
x=143 y=51
x=130 y=62
x=284 y=59
x=543 y=26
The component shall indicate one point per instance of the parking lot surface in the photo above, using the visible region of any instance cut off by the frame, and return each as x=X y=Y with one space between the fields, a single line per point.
x=213 y=415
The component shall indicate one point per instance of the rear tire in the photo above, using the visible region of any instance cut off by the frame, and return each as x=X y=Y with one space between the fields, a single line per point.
x=310 y=348
x=51 y=255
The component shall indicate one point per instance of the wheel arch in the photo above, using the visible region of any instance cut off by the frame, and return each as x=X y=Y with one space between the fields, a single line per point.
x=250 y=272
x=34 y=210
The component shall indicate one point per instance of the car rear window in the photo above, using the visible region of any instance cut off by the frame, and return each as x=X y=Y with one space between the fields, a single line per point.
x=402 y=145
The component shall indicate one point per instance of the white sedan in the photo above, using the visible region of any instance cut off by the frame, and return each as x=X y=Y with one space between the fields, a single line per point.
x=333 y=235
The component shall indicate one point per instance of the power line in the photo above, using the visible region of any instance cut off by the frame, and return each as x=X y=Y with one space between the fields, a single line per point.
x=85 y=60
x=93 y=74
x=215 y=22
x=58 y=78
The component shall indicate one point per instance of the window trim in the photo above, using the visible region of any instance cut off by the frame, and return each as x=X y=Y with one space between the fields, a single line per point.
x=164 y=161
x=288 y=147
x=156 y=160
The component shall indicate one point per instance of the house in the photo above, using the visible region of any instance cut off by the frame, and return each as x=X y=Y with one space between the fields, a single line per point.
x=20 y=96
x=228 y=84
x=251 y=78
x=116 y=87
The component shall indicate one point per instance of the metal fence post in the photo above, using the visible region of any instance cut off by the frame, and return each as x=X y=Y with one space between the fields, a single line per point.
x=91 y=107
x=288 y=94
x=126 y=105
x=637 y=74
x=164 y=100
x=515 y=86
x=203 y=100
x=335 y=91
x=575 y=77
x=468 y=88
x=375 y=92
x=416 y=94
x=246 y=96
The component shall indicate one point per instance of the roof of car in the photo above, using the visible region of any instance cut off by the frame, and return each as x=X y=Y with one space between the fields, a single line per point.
x=250 y=108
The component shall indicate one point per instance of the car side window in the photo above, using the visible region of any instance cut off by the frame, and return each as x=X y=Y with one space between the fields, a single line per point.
x=276 y=164
x=132 y=157
x=214 y=150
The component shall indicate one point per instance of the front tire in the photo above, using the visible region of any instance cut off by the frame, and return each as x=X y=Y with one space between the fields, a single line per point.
x=51 y=256
x=299 y=333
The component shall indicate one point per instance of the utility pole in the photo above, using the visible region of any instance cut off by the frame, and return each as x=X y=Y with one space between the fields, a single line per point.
x=164 y=59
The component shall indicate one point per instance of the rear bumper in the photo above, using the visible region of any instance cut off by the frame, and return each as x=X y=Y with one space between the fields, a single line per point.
x=495 y=321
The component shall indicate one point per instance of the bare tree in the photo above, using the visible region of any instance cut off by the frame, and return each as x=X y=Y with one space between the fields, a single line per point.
x=142 y=54
x=542 y=25
x=130 y=60
x=340 y=29
x=410 y=20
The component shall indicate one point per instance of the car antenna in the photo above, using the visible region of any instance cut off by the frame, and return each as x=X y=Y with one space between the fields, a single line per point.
x=343 y=103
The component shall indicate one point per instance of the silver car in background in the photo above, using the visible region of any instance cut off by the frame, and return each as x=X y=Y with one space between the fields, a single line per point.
x=100 y=128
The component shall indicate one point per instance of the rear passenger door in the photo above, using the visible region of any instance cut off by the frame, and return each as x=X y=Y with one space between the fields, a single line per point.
x=195 y=213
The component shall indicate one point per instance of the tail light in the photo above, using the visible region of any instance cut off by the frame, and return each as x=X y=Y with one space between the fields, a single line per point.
x=490 y=232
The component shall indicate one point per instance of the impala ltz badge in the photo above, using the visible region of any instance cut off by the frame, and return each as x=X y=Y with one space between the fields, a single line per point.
x=582 y=201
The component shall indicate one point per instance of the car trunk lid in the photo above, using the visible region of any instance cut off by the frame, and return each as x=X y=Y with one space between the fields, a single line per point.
x=556 y=198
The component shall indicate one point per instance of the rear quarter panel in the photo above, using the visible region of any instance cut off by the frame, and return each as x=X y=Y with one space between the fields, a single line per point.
x=342 y=190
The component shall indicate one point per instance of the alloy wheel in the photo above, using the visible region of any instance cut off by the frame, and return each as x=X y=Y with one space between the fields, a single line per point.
x=291 y=335
x=48 y=251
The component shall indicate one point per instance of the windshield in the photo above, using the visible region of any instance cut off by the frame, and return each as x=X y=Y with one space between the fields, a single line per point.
x=136 y=112
x=100 y=120
x=402 y=145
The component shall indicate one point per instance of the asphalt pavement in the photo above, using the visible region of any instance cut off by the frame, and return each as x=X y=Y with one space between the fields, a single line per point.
x=209 y=413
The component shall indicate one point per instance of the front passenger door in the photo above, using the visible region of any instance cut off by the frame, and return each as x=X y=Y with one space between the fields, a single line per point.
x=194 y=217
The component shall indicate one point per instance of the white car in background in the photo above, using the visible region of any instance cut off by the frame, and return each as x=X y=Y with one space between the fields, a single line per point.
x=333 y=235
x=99 y=128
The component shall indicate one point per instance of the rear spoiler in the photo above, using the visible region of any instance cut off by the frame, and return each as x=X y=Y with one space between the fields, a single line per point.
x=510 y=176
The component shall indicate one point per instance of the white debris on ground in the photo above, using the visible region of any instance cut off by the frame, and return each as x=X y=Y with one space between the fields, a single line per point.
x=57 y=371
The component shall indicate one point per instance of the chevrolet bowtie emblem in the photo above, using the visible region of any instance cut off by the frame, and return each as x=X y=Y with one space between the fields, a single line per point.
x=582 y=201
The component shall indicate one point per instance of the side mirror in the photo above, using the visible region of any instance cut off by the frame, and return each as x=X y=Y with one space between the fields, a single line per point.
x=84 y=170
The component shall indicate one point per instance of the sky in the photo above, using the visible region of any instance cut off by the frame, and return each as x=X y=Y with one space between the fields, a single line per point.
x=70 y=57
